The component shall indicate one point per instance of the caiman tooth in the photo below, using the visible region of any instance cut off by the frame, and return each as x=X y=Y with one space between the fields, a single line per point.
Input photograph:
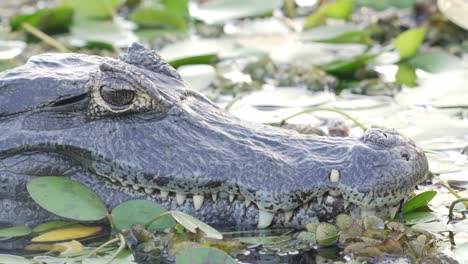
x=164 y=194
x=320 y=199
x=247 y=202
x=214 y=196
x=334 y=193
x=135 y=187
x=112 y=179
x=124 y=184
x=231 y=197
x=346 y=204
x=180 y=198
x=148 y=190
x=287 y=216
x=393 y=211
x=198 y=201
x=334 y=175
x=264 y=219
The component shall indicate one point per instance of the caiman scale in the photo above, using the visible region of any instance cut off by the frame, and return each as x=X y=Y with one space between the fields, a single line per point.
x=132 y=129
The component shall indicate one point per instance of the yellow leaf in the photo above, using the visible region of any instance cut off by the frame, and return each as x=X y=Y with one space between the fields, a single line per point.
x=63 y=248
x=68 y=233
x=68 y=247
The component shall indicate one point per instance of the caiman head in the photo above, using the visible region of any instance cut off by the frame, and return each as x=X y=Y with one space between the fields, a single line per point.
x=132 y=128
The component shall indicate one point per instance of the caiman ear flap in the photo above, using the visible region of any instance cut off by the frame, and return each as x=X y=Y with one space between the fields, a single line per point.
x=142 y=57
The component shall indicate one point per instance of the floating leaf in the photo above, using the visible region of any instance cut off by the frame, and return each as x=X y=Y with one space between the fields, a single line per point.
x=326 y=233
x=10 y=259
x=192 y=224
x=50 y=21
x=147 y=17
x=408 y=42
x=418 y=217
x=381 y=5
x=436 y=62
x=69 y=247
x=68 y=233
x=406 y=75
x=267 y=240
x=343 y=66
x=67 y=198
x=340 y=9
x=52 y=225
x=204 y=256
x=202 y=59
x=220 y=11
x=16 y=231
x=418 y=201
x=140 y=212
x=94 y=9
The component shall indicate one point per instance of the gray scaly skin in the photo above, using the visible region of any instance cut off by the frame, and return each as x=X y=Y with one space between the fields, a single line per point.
x=132 y=129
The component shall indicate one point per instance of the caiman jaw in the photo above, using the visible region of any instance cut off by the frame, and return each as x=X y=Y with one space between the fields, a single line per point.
x=265 y=218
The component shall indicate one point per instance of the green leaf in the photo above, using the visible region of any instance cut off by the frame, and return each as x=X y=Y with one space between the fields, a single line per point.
x=51 y=225
x=201 y=59
x=418 y=201
x=148 y=17
x=343 y=66
x=340 y=9
x=67 y=198
x=51 y=21
x=384 y=4
x=435 y=62
x=351 y=37
x=220 y=11
x=141 y=212
x=192 y=224
x=406 y=75
x=94 y=9
x=204 y=256
x=408 y=42
x=178 y=7
x=418 y=217
x=16 y=231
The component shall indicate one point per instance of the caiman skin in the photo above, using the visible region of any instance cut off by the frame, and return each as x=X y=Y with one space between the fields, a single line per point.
x=132 y=129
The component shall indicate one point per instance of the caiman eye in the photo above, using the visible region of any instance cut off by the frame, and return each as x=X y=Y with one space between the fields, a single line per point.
x=117 y=97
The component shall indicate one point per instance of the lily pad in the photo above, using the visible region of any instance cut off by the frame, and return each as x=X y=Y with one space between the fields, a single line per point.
x=418 y=201
x=436 y=62
x=384 y=4
x=148 y=17
x=10 y=259
x=51 y=225
x=220 y=11
x=204 y=256
x=340 y=9
x=140 y=212
x=192 y=224
x=16 y=231
x=418 y=217
x=408 y=42
x=94 y=9
x=67 y=198
x=50 y=21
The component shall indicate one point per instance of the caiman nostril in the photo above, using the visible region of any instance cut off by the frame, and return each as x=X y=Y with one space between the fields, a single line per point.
x=405 y=156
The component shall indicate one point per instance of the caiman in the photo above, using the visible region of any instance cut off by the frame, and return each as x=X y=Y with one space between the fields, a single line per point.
x=132 y=129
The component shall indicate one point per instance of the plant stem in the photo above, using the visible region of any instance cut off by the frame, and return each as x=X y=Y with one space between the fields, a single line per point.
x=317 y=109
x=110 y=242
x=44 y=37
x=452 y=206
x=121 y=247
